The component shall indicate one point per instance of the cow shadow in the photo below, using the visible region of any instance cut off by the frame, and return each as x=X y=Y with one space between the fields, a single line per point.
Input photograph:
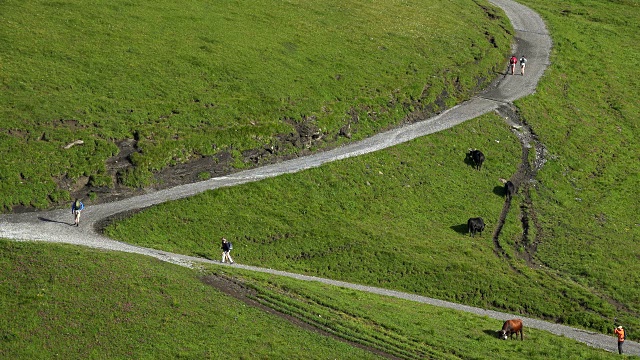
x=492 y=333
x=54 y=221
x=460 y=229
x=500 y=191
x=469 y=161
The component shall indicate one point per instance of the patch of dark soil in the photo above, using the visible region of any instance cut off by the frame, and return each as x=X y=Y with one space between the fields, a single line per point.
x=490 y=12
x=81 y=187
x=195 y=170
x=121 y=160
x=236 y=289
x=307 y=132
x=497 y=248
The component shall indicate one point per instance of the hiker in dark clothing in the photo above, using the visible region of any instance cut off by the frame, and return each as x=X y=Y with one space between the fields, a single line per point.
x=76 y=207
x=226 y=251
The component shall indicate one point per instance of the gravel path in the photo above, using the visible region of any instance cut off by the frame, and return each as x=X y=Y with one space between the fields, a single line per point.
x=532 y=40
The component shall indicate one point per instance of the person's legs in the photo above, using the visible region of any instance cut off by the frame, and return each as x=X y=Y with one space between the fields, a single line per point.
x=620 y=347
x=226 y=255
x=522 y=69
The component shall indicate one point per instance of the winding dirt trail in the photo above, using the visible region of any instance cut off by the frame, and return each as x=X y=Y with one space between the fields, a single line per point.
x=532 y=39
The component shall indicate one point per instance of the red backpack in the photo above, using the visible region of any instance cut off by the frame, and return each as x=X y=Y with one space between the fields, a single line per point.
x=513 y=60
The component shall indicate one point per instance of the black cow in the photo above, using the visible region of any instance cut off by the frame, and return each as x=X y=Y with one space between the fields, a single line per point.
x=475 y=225
x=509 y=188
x=477 y=157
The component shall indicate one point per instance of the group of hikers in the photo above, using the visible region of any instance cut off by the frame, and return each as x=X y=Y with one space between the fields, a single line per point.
x=512 y=64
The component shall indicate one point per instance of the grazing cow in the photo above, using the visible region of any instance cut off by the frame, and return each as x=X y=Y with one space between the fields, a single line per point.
x=477 y=157
x=509 y=188
x=511 y=327
x=475 y=225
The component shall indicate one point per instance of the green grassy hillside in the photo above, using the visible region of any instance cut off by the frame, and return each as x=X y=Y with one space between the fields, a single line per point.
x=587 y=113
x=62 y=301
x=199 y=79
x=394 y=217
x=72 y=303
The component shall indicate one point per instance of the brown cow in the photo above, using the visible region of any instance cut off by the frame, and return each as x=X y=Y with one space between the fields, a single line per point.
x=511 y=327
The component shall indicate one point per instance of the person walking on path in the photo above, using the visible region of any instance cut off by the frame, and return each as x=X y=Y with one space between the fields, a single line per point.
x=512 y=64
x=619 y=331
x=76 y=207
x=226 y=250
x=523 y=62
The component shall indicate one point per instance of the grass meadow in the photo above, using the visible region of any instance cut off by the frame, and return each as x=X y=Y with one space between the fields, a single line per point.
x=190 y=80
x=586 y=111
x=394 y=218
x=62 y=301
x=73 y=303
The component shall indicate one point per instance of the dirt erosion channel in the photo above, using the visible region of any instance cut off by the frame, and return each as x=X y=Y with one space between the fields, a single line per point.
x=524 y=179
x=531 y=38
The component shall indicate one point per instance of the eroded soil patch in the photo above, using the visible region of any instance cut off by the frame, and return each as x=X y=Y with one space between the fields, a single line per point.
x=524 y=180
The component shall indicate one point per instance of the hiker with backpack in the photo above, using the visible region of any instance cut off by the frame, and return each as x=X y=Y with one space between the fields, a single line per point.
x=523 y=62
x=512 y=64
x=226 y=250
x=76 y=207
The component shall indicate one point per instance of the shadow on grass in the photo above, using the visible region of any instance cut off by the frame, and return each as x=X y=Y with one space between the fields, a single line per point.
x=207 y=255
x=469 y=161
x=500 y=191
x=460 y=229
x=54 y=221
x=492 y=333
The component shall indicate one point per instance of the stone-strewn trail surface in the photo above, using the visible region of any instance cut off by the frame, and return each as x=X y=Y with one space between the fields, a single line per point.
x=532 y=40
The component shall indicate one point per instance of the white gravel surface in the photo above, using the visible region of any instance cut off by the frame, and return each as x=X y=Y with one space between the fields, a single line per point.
x=532 y=40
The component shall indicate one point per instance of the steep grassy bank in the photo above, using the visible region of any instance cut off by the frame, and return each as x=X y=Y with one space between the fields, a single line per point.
x=75 y=303
x=213 y=80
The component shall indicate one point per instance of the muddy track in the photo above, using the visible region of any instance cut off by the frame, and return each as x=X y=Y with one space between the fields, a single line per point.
x=524 y=179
